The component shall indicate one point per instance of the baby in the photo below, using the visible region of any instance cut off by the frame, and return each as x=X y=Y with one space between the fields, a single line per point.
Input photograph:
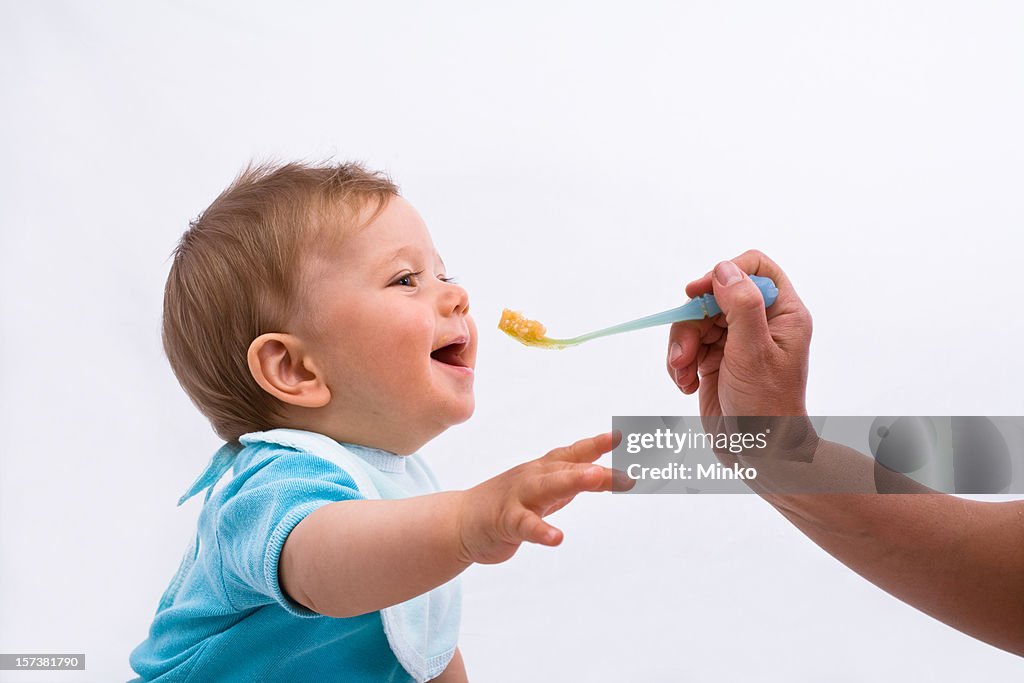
x=309 y=317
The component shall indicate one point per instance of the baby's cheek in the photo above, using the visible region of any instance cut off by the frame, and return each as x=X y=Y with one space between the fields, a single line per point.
x=406 y=345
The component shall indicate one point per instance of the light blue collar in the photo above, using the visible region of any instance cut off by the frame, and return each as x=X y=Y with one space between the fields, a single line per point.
x=385 y=461
x=224 y=458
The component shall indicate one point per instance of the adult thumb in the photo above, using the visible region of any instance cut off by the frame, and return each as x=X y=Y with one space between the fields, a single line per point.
x=742 y=304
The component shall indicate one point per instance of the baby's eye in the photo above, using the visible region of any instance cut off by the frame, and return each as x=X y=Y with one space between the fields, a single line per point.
x=445 y=278
x=408 y=280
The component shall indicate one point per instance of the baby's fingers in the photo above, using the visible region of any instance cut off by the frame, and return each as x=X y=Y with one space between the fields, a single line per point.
x=531 y=527
x=567 y=483
x=585 y=450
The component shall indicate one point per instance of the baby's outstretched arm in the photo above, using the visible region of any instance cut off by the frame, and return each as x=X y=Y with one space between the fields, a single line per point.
x=358 y=556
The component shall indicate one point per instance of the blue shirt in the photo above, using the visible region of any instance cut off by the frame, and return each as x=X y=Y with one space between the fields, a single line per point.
x=224 y=616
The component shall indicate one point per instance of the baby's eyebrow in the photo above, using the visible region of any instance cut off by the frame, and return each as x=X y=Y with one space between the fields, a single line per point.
x=397 y=254
x=401 y=251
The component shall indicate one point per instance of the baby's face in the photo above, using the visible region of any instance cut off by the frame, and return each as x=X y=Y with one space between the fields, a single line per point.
x=394 y=341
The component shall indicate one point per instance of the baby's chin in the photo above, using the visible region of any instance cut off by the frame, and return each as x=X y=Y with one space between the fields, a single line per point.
x=467 y=411
x=462 y=411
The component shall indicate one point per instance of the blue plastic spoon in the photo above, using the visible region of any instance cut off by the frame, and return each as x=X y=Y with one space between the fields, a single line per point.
x=532 y=333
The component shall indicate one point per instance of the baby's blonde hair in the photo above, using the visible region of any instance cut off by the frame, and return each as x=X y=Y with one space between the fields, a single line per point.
x=236 y=275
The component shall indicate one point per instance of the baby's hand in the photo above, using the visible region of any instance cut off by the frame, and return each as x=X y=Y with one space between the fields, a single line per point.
x=501 y=513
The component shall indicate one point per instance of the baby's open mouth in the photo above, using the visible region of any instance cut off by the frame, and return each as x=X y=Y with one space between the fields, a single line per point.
x=451 y=354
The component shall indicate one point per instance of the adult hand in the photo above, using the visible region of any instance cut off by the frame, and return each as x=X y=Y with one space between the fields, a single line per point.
x=747 y=360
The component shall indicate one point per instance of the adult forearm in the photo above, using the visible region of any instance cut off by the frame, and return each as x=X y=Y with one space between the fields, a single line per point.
x=359 y=556
x=958 y=560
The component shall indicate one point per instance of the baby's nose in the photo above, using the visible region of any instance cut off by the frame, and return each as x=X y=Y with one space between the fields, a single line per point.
x=455 y=300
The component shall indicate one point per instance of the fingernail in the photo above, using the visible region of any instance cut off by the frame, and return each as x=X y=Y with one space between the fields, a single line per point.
x=674 y=352
x=727 y=273
x=621 y=481
x=679 y=378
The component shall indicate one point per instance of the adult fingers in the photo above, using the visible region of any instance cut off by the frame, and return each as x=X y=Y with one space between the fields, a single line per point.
x=688 y=345
x=754 y=262
x=743 y=306
x=701 y=285
x=684 y=340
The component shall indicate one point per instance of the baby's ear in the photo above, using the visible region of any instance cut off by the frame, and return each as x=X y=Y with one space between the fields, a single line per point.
x=278 y=362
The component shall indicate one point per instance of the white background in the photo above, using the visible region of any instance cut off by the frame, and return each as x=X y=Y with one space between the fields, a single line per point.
x=580 y=162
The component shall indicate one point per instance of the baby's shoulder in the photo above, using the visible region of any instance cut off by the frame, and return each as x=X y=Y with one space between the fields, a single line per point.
x=266 y=470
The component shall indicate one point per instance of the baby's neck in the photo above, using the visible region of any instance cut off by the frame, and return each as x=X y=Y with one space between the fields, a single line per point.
x=376 y=435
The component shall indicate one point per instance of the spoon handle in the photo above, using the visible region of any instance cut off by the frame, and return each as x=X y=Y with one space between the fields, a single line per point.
x=701 y=307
